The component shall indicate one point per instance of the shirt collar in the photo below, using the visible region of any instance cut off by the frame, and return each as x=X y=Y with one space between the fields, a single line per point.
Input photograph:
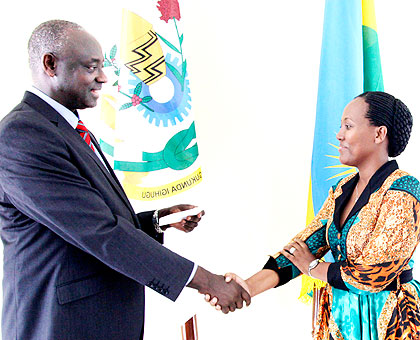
x=376 y=180
x=382 y=174
x=374 y=184
x=68 y=115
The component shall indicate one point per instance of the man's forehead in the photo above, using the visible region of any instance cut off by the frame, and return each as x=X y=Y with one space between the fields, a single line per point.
x=82 y=41
x=85 y=56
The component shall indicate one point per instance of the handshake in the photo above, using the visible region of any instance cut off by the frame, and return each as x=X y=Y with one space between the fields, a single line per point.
x=227 y=293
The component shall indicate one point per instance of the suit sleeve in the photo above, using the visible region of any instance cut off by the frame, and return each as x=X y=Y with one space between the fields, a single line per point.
x=146 y=223
x=40 y=177
x=314 y=235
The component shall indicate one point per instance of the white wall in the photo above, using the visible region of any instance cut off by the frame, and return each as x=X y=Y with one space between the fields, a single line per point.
x=255 y=134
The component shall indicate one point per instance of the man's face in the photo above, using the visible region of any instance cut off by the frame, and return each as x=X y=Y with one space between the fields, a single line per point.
x=79 y=75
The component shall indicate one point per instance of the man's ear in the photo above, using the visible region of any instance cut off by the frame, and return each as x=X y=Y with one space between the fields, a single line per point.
x=49 y=64
x=381 y=133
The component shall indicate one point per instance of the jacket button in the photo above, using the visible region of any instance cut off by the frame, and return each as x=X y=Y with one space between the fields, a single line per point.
x=338 y=248
x=338 y=236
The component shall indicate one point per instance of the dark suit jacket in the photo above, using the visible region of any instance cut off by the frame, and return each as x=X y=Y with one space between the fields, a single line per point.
x=76 y=256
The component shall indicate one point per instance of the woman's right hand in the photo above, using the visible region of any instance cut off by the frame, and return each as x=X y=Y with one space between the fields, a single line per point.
x=259 y=282
x=232 y=276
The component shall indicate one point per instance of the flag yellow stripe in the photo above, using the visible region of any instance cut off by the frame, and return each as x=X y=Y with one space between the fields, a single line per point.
x=310 y=214
x=368 y=14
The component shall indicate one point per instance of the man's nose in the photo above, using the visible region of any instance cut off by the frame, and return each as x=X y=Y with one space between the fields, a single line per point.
x=101 y=78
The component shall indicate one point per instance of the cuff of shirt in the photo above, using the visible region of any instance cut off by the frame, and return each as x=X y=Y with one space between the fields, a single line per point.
x=192 y=274
x=334 y=275
x=285 y=274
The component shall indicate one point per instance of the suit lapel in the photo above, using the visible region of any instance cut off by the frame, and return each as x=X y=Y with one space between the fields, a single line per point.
x=73 y=137
x=341 y=201
x=110 y=174
x=42 y=107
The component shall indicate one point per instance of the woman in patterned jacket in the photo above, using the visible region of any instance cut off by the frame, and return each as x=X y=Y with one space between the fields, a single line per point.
x=370 y=222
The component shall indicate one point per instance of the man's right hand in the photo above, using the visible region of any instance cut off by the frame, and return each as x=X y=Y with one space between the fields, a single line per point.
x=230 y=295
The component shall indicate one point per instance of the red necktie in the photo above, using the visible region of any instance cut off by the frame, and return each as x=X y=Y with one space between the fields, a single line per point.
x=84 y=133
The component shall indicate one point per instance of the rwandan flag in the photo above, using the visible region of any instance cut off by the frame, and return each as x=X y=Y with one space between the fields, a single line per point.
x=350 y=64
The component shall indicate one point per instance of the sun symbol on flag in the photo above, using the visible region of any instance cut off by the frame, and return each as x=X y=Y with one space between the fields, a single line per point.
x=346 y=170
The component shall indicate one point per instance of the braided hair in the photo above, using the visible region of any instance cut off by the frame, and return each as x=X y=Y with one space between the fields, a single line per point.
x=386 y=110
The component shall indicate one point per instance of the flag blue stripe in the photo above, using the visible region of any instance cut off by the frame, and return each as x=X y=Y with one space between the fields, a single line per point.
x=340 y=80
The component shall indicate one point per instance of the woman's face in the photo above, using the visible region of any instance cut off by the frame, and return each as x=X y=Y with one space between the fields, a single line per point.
x=356 y=135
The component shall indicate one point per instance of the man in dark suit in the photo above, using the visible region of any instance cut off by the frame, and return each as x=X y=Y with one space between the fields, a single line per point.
x=76 y=256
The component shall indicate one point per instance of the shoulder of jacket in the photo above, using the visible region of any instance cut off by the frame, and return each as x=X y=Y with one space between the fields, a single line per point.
x=406 y=183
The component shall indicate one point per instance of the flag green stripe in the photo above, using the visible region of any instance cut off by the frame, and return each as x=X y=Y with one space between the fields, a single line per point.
x=372 y=70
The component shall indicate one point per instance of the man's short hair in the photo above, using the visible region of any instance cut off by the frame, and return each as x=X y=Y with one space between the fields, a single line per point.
x=49 y=37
